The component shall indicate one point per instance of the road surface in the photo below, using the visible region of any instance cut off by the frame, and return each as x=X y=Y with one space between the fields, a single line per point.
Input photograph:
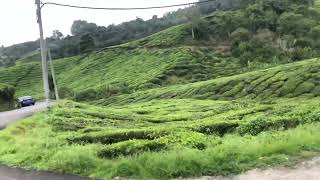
x=20 y=174
x=13 y=116
x=6 y=173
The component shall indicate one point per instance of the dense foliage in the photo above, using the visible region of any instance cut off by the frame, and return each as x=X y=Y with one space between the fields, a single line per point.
x=7 y=93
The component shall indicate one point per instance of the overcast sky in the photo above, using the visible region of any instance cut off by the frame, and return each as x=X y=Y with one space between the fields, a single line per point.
x=18 y=18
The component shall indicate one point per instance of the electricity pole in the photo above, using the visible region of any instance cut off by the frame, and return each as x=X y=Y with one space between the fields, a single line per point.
x=43 y=55
x=53 y=75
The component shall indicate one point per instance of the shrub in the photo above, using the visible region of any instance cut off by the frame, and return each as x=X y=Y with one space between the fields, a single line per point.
x=7 y=92
x=255 y=127
x=118 y=136
x=217 y=128
x=65 y=92
x=305 y=87
x=87 y=95
x=131 y=147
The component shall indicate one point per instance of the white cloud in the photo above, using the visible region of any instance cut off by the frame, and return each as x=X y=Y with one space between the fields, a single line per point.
x=18 y=19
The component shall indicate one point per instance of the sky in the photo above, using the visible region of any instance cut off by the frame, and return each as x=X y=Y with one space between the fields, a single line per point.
x=18 y=17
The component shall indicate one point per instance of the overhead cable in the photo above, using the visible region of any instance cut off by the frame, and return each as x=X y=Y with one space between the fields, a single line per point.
x=125 y=9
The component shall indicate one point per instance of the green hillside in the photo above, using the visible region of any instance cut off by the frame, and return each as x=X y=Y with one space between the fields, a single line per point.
x=25 y=78
x=122 y=69
x=291 y=80
x=317 y=5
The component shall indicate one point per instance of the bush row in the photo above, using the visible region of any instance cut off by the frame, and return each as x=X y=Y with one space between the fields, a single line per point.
x=104 y=137
x=131 y=147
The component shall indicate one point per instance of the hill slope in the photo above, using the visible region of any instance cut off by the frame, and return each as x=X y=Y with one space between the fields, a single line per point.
x=221 y=48
x=291 y=80
x=125 y=70
x=317 y=4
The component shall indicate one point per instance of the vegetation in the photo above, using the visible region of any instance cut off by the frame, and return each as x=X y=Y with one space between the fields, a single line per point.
x=276 y=30
x=6 y=96
x=291 y=80
x=164 y=139
x=120 y=70
x=66 y=46
x=222 y=94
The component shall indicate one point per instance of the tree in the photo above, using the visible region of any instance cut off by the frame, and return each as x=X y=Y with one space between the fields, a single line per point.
x=239 y=35
x=57 y=35
x=83 y=27
x=86 y=43
x=194 y=17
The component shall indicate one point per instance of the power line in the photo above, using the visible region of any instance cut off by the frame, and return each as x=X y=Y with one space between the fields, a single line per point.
x=125 y=9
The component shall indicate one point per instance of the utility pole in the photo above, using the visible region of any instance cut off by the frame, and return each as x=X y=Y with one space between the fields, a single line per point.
x=43 y=56
x=53 y=75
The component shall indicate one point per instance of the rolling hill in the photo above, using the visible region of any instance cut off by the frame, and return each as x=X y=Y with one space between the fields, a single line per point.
x=131 y=69
x=285 y=81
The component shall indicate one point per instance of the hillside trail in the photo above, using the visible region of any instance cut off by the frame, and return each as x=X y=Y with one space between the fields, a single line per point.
x=307 y=170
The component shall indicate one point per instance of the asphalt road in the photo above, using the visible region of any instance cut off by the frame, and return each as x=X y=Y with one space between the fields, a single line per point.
x=20 y=174
x=13 y=116
x=6 y=173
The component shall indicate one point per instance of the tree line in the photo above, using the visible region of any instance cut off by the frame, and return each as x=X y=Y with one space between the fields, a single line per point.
x=88 y=36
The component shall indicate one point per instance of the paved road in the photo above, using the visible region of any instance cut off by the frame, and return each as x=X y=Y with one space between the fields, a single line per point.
x=20 y=174
x=10 y=117
x=6 y=173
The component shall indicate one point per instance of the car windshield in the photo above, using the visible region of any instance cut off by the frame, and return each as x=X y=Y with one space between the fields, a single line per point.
x=25 y=98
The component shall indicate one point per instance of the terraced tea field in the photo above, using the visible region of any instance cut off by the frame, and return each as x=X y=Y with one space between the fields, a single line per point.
x=317 y=5
x=164 y=138
x=291 y=80
x=125 y=69
x=27 y=77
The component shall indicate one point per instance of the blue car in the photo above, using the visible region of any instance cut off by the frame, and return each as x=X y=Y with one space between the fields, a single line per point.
x=26 y=101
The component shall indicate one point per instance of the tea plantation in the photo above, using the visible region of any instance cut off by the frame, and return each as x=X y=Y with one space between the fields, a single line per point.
x=217 y=127
x=165 y=138
x=317 y=5
x=169 y=106
x=120 y=70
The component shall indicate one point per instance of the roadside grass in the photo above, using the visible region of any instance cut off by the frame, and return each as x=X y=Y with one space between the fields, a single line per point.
x=164 y=138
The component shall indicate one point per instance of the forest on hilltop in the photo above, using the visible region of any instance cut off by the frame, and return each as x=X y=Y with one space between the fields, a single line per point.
x=88 y=36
